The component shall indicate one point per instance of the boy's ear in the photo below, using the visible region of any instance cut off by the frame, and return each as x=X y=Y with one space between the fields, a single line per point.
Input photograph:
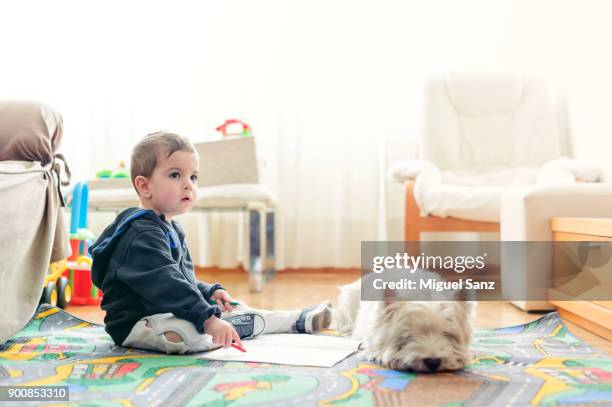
x=142 y=186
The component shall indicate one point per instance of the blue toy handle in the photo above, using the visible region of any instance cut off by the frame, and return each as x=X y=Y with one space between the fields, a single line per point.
x=74 y=212
x=80 y=202
x=83 y=205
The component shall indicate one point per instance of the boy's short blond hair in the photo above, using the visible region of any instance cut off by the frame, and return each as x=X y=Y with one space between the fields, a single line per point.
x=145 y=153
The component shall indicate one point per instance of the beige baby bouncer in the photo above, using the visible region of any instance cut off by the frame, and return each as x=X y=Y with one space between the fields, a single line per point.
x=32 y=232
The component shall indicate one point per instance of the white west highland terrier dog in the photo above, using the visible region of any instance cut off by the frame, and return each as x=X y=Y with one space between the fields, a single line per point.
x=422 y=336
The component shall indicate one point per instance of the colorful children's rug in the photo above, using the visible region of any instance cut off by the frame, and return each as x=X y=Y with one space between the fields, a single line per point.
x=539 y=363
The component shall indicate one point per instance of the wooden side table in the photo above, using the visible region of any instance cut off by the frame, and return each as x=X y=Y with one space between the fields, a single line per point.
x=595 y=316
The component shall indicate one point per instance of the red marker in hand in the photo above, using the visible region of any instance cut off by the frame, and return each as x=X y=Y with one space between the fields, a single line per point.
x=238 y=347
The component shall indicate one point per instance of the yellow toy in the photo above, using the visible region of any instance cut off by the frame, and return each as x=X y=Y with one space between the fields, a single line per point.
x=57 y=290
x=60 y=280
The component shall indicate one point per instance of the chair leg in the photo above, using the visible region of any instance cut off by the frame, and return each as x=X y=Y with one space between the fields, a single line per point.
x=257 y=248
x=270 y=230
x=412 y=220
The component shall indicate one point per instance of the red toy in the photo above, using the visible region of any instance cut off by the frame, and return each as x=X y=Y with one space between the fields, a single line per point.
x=225 y=128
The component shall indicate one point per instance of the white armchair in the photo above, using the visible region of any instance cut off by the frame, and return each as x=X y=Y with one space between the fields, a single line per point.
x=494 y=151
x=482 y=134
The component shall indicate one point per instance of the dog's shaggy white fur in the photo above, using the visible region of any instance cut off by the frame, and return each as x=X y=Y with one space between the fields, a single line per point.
x=422 y=336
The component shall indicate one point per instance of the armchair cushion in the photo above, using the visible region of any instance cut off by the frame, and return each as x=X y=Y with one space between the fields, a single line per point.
x=473 y=195
x=476 y=195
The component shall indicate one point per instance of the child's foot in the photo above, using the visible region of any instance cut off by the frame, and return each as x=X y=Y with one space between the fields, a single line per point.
x=314 y=319
x=248 y=324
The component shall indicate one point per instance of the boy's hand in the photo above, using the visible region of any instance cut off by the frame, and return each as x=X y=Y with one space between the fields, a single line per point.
x=222 y=333
x=223 y=299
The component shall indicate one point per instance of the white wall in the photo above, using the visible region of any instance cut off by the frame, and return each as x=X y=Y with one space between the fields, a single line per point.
x=342 y=75
x=568 y=42
x=118 y=69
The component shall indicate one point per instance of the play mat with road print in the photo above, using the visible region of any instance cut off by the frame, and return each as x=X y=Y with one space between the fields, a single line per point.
x=539 y=363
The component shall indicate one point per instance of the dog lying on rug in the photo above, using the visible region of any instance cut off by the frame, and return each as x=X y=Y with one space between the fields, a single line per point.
x=422 y=336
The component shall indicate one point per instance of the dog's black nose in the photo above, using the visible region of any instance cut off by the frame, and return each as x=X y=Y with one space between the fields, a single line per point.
x=432 y=363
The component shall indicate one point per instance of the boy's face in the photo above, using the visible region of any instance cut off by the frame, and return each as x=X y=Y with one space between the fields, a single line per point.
x=172 y=188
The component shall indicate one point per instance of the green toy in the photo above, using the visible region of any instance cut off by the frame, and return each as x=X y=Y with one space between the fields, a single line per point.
x=120 y=172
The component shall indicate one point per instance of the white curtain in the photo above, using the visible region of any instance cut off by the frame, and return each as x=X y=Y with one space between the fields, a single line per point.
x=330 y=88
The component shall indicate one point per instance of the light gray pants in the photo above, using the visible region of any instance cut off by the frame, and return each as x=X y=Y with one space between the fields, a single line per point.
x=152 y=337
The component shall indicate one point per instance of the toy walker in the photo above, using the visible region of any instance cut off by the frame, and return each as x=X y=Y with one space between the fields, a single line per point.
x=69 y=280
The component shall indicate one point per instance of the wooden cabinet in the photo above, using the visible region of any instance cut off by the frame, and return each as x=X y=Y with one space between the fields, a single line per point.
x=596 y=315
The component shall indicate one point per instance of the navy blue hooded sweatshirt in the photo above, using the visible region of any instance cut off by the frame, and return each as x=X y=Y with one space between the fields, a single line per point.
x=142 y=264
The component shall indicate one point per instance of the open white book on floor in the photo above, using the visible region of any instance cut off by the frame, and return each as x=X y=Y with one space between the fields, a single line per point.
x=289 y=349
